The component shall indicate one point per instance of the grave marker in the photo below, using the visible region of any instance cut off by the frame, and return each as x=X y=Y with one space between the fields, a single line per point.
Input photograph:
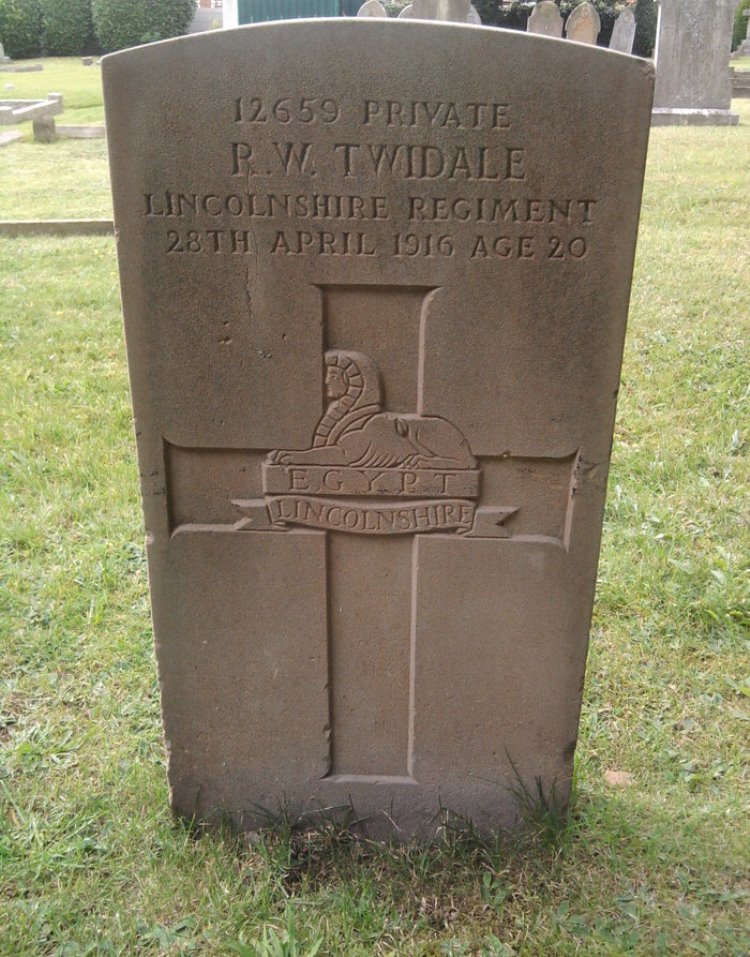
x=375 y=312
x=693 y=44
x=623 y=33
x=584 y=24
x=545 y=20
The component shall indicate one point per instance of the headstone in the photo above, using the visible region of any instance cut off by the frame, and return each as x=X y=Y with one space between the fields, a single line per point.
x=372 y=8
x=44 y=129
x=623 y=33
x=473 y=16
x=87 y=61
x=584 y=24
x=374 y=312
x=3 y=57
x=407 y=13
x=693 y=43
x=545 y=19
x=456 y=11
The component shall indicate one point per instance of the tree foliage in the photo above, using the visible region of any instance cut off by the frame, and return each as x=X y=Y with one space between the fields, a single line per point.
x=21 y=28
x=740 y=24
x=126 y=23
x=67 y=27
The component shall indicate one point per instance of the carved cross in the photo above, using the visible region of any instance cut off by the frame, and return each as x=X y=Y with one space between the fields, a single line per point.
x=375 y=479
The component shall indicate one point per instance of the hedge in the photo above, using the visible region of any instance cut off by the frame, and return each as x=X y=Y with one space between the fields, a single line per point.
x=21 y=28
x=126 y=23
x=67 y=27
x=646 y=16
x=740 y=24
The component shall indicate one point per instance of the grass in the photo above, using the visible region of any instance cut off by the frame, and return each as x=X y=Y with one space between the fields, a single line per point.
x=81 y=87
x=91 y=862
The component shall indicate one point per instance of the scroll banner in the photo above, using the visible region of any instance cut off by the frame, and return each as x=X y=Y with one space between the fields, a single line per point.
x=406 y=518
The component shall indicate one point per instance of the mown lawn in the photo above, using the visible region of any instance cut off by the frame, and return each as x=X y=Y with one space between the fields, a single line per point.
x=91 y=862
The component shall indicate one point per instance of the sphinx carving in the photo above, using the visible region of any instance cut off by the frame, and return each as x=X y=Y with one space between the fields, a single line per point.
x=356 y=431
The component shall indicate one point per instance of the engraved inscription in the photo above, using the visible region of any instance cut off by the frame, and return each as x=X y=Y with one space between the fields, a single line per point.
x=314 y=174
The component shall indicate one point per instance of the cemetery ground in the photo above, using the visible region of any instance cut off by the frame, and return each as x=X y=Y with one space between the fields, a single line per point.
x=653 y=859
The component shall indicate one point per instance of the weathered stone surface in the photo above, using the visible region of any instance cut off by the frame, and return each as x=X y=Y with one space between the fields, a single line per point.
x=545 y=19
x=374 y=309
x=407 y=13
x=692 y=52
x=372 y=8
x=584 y=24
x=623 y=33
x=456 y=11
x=44 y=129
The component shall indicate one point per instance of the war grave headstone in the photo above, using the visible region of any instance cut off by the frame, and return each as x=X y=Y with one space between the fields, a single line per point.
x=584 y=24
x=693 y=44
x=623 y=33
x=545 y=19
x=374 y=310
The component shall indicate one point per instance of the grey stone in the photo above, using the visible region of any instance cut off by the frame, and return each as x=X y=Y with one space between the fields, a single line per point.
x=584 y=24
x=10 y=136
x=81 y=132
x=32 y=68
x=456 y=11
x=374 y=308
x=372 y=8
x=473 y=16
x=44 y=129
x=545 y=19
x=407 y=13
x=740 y=85
x=19 y=111
x=692 y=52
x=623 y=33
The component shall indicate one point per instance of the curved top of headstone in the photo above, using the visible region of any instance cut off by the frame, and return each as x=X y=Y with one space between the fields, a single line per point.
x=623 y=33
x=545 y=20
x=407 y=13
x=584 y=24
x=372 y=8
x=456 y=11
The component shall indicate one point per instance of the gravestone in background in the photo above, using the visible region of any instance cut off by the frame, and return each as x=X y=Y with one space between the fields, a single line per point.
x=584 y=24
x=545 y=19
x=457 y=11
x=693 y=44
x=372 y=8
x=623 y=33
x=375 y=304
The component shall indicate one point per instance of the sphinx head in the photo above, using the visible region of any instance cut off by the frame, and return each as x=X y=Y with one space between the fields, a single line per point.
x=352 y=377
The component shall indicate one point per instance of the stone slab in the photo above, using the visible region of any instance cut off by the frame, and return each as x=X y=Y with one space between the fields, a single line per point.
x=623 y=33
x=20 y=111
x=81 y=132
x=375 y=304
x=33 y=68
x=681 y=117
x=55 y=227
x=584 y=24
x=545 y=20
x=10 y=136
x=693 y=44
